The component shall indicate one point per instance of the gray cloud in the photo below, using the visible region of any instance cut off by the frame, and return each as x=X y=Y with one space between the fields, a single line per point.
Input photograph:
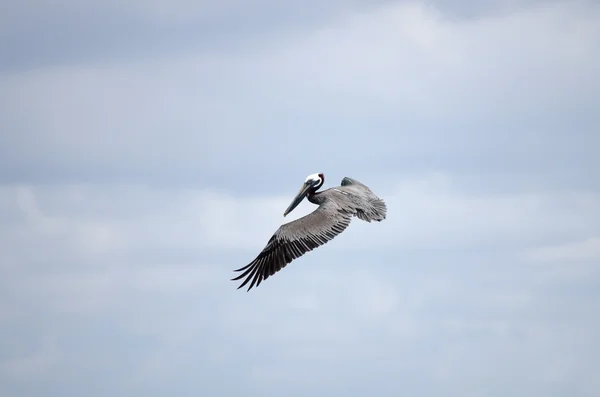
x=35 y=34
x=492 y=96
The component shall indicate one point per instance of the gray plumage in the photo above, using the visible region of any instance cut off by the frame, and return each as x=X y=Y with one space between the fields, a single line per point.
x=337 y=206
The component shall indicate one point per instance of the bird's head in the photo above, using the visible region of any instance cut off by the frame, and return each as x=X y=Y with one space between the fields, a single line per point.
x=310 y=185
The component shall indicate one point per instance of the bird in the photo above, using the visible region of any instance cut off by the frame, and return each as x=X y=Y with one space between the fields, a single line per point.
x=337 y=206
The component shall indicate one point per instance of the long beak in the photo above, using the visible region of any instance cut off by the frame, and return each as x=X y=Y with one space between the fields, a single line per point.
x=298 y=199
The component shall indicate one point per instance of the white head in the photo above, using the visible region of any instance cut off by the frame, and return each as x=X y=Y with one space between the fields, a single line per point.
x=314 y=178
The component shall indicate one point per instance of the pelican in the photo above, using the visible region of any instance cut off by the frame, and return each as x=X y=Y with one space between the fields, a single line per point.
x=337 y=206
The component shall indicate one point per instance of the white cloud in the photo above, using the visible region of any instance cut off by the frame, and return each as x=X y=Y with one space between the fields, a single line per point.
x=83 y=248
x=339 y=304
x=585 y=250
x=408 y=57
x=425 y=213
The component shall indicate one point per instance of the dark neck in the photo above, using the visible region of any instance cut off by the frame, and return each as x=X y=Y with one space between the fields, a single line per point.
x=313 y=190
x=322 y=176
x=313 y=194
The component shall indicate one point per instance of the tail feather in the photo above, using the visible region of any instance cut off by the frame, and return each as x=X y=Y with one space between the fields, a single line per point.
x=376 y=211
x=375 y=208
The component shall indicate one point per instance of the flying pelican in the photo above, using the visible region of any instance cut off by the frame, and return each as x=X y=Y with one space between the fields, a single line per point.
x=337 y=206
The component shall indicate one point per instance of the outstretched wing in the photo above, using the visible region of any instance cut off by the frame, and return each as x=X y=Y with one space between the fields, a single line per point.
x=369 y=207
x=294 y=239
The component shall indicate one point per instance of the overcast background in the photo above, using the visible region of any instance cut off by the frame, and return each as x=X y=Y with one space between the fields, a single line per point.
x=149 y=148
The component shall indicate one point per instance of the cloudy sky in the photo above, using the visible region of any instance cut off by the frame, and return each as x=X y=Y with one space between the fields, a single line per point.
x=149 y=148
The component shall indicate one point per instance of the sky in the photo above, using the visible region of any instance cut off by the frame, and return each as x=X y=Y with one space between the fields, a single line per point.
x=147 y=149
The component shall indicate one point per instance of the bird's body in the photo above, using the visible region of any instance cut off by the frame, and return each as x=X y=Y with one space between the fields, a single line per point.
x=337 y=206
